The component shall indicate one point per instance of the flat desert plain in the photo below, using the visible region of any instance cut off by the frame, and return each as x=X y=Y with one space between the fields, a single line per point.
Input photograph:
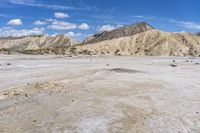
x=102 y=94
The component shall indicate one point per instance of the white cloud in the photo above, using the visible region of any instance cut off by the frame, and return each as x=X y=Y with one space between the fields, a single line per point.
x=39 y=29
x=73 y=35
x=77 y=36
x=51 y=20
x=8 y=31
x=142 y=17
x=84 y=26
x=108 y=28
x=60 y=25
x=61 y=15
x=15 y=22
x=38 y=22
x=190 y=25
x=3 y=16
x=34 y=3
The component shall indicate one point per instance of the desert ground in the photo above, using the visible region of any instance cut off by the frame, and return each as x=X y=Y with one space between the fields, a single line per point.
x=99 y=94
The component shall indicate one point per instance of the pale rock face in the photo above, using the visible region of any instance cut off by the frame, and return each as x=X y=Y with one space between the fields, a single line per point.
x=35 y=42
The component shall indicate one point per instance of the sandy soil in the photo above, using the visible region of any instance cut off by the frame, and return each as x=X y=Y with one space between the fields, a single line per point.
x=52 y=94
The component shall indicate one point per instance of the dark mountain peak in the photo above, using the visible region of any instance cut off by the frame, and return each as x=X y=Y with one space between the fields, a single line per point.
x=142 y=25
x=119 y=32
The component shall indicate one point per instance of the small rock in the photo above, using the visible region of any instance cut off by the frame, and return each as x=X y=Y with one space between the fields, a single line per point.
x=107 y=64
x=34 y=121
x=8 y=64
x=196 y=63
x=26 y=95
x=173 y=61
x=172 y=65
x=73 y=100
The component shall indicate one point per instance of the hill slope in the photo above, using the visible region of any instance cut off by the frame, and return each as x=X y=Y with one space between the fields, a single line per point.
x=35 y=42
x=150 y=42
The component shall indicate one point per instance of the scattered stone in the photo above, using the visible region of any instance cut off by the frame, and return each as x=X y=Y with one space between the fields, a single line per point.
x=8 y=64
x=174 y=61
x=73 y=100
x=34 y=121
x=26 y=95
x=172 y=65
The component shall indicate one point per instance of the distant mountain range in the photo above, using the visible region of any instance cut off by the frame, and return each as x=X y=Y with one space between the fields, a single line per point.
x=139 y=39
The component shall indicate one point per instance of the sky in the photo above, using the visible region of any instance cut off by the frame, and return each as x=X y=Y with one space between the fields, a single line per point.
x=82 y=18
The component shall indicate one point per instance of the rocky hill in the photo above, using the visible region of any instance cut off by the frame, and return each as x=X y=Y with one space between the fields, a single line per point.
x=148 y=41
x=35 y=42
x=198 y=34
x=120 y=32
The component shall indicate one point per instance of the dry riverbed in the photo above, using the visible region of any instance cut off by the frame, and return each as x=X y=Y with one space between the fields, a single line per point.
x=55 y=94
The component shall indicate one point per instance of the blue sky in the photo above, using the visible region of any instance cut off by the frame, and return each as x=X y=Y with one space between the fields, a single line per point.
x=81 y=18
